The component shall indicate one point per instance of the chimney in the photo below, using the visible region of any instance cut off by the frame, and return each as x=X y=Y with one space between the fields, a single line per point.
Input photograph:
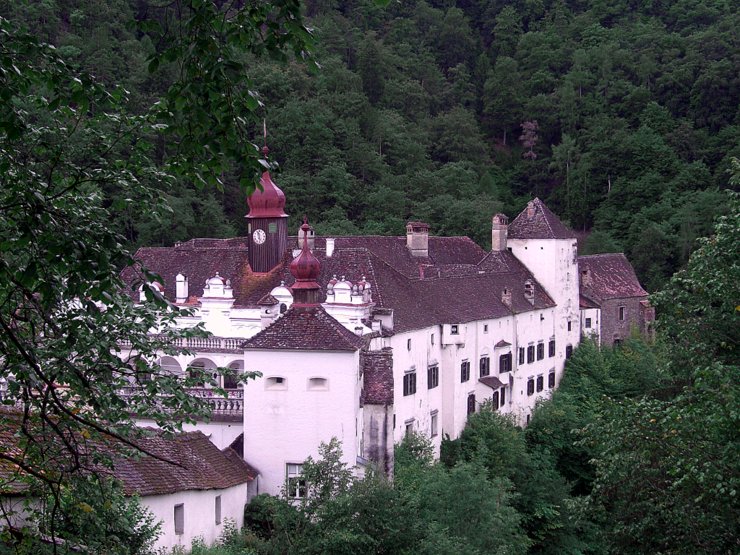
x=586 y=279
x=506 y=297
x=181 y=289
x=531 y=209
x=499 y=232
x=329 y=247
x=529 y=291
x=417 y=238
x=311 y=239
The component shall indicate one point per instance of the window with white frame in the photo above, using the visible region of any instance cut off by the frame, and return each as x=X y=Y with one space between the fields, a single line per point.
x=295 y=483
x=433 y=421
x=587 y=325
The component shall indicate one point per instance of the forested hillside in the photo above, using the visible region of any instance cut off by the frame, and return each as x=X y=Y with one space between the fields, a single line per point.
x=621 y=116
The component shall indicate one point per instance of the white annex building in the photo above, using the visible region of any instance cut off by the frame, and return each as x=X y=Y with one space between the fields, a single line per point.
x=367 y=338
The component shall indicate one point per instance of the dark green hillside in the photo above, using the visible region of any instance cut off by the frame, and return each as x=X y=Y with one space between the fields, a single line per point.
x=418 y=112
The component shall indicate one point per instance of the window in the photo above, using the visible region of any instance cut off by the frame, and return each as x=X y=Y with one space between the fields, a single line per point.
x=503 y=396
x=318 y=384
x=530 y=354
x=551 y=379
x=521 y=355
x=540 y=383
x=433 y=423
x=432 y=376
x=504 y=363
x=409 y=427
x=409 y=383
x=621 y=313
x=551 y=348
x=485 y=366
x=540 y=350
x=218 y=509
x=617 y=342
x=471 y=403
x=276 y=382
x=568 y=351
x=295 y=483
x=408 y=344
x=530 y=386
x=485 y=328
x=464 y=371
x=453 y=329
x=432 y=339
x=494 y=400
x=179 y=519
x=528 y=419
x=569 y=325
x=587 y=325
x=283 y=308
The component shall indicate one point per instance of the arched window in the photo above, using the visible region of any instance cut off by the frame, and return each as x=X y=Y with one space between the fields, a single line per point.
x=231 y=378
x=169 y=364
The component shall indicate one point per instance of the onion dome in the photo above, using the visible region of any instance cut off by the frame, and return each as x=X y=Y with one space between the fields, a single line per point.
x=305 y=267
x=268 y=202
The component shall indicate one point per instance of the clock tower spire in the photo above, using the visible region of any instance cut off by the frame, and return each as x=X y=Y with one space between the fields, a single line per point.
x=267 y=222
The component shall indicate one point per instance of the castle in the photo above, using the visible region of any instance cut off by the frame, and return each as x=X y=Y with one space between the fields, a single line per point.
x=368 y=338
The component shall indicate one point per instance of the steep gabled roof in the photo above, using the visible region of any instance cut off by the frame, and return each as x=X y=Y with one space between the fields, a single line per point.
x=608 y=276
x=305 y=329
x=181 y=462
x=536 y=221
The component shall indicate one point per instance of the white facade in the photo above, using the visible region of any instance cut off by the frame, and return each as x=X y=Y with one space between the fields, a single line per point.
x=303 y=398
x=201 y=517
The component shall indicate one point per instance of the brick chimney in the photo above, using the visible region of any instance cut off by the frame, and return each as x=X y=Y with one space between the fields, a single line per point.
x=417 y=239
x=506 y=297
x=499 y=232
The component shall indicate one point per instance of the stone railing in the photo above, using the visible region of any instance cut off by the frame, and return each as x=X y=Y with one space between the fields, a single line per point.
x=223 y=409
x=227 y=344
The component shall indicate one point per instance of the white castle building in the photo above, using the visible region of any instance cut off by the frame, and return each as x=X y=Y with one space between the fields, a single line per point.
x=368 y=338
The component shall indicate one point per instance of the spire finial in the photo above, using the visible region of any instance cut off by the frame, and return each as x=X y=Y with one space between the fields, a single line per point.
x=265 y=149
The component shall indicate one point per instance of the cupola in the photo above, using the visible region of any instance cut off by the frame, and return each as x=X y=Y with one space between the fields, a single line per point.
x=267 y=224
x=305 y=268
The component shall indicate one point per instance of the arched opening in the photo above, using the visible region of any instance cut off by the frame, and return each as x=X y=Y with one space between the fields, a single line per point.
x=199 y=369
x=231 y=379
x=170 y=365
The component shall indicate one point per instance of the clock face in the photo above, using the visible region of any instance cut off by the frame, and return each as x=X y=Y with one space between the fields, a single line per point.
x=259 y=236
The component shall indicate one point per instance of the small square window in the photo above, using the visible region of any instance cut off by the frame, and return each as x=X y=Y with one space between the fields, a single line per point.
x=454 y=329
x=179 y=519
x=587 y=325
x=218 y=509
x=433 y=417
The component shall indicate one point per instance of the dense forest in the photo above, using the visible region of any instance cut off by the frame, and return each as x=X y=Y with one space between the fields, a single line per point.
x=623 y=117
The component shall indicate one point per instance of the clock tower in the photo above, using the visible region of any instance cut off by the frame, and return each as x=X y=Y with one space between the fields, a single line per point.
x=267 y=225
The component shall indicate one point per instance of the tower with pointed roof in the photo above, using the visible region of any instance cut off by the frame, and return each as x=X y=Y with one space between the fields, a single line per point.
x=267 y=224
x=549 y=250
